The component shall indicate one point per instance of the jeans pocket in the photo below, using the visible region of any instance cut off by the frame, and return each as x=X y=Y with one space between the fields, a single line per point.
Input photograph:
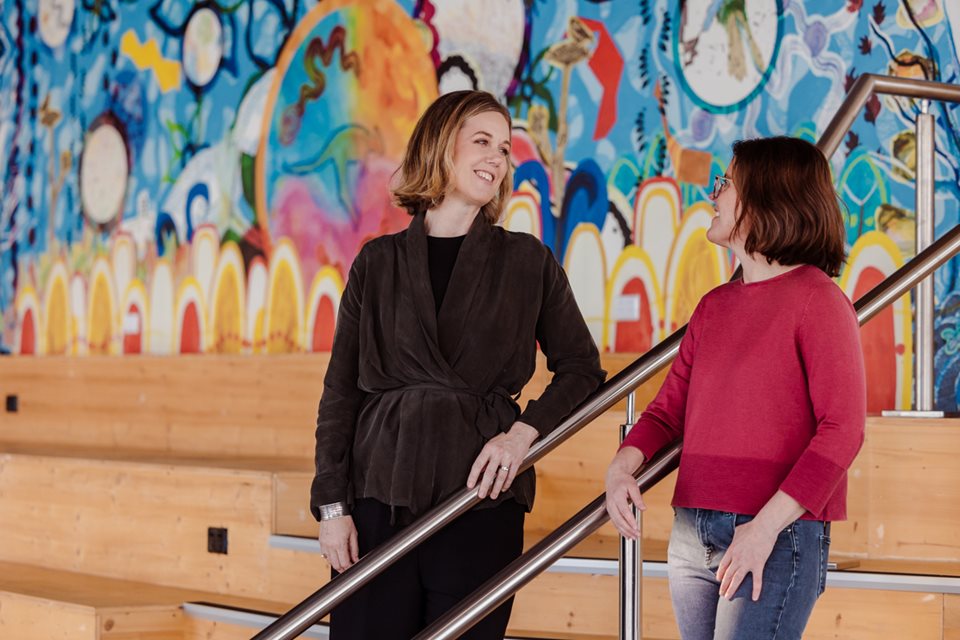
x=824 y=558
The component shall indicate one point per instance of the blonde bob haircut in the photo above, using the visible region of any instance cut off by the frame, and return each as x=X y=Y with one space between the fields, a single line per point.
x=425 y=173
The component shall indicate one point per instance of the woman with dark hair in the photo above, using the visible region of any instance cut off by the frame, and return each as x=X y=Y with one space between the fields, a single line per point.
x=768 y=394
x=436 y=336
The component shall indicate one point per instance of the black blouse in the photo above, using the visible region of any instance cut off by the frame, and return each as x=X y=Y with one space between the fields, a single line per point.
x=415 y=387
x=441 y=256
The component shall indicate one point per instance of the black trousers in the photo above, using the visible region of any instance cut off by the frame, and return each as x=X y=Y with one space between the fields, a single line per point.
x=431 y=579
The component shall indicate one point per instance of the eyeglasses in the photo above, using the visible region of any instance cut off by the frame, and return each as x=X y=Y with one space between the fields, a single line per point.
x=719 y=184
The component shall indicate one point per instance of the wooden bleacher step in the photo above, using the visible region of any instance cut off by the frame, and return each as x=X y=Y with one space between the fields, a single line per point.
x=37 y=603
x=108 y=513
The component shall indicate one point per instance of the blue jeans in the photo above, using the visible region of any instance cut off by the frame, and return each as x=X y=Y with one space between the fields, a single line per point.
x=793 y=578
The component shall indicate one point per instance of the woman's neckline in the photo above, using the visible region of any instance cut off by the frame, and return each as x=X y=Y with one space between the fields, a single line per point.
x=779 y=277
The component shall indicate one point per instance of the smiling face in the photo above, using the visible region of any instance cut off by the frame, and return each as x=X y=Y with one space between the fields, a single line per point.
x=481 y=154
x=727 y=208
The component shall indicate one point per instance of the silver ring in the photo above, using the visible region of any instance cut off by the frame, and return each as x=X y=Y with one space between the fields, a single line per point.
x=504 y=467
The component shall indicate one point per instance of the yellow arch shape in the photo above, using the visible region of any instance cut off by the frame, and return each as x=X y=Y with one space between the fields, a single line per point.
x=102 y=310
x=284 y=324
x=902 y=310
x=227 y=321
x=56 y=311
x=326 y=281
x=632 y=253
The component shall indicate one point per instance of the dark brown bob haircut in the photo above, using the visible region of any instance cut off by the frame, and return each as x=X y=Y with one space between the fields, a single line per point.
x=788 y=204
x=427 y=167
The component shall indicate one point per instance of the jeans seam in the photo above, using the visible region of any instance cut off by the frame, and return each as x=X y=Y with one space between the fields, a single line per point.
x=822 y=573
x=793 y=579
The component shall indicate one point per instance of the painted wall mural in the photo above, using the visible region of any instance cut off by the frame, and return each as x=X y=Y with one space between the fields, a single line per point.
x=196 y=177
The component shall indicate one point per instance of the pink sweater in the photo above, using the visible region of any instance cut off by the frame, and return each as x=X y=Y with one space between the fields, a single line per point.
x=768 y=393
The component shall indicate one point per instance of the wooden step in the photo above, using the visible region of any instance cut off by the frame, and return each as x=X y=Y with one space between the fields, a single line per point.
x=221 y=405
x=209 y=404
x=148 y=521
x=37 y=603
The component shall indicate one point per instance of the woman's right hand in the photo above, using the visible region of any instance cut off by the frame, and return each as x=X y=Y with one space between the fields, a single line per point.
x=338 y=542
x=622 y=490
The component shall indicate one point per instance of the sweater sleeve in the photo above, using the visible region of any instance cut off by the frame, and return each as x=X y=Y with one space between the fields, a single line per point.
x=572 y=356
x=662 y=421
x=341 y=399
x=828 y=340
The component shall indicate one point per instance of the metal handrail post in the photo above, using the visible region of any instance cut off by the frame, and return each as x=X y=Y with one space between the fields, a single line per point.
x=631 y=559
x=870 y=83
x=525 y=568
x=925 y=205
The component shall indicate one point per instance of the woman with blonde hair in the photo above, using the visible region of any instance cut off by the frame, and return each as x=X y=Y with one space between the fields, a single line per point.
x=436 y=336
x=768 y=394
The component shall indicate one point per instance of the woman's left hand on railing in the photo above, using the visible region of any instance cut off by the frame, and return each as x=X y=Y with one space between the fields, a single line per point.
x=622 y=490
x=496 y=466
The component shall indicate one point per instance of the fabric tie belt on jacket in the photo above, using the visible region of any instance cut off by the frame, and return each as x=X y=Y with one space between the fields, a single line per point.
x=497 y=411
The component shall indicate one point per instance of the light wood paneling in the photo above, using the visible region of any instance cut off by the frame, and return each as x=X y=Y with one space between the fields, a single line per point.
x=232 y=405
x=588 y=604
x=63 y=604
x=905 y=493
x=197 y=629
x=855 y=614
x=160 y=623
x=292 y=515
x=229 y=405
x=26 y=618
x=555 y=604
x=951 y=617
x=111 y=594
x=148 y=522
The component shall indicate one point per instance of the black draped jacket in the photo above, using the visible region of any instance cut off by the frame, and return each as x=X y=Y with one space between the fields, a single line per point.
x=411 y=395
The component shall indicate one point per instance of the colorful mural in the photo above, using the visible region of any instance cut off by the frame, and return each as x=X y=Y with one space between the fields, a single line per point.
x=185 y=177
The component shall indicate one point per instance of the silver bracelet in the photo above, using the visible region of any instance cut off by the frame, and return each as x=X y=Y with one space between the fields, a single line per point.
x=334 y=510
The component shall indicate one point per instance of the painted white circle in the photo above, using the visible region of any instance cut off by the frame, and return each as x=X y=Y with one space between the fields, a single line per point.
x=202 y=47
x=725 y=53
x=103 y=174
x=489 y=36
x=55 y=17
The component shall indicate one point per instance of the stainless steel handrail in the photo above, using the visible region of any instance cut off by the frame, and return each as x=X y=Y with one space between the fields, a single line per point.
x=325 y=599
x=869 y=84
x=525 y=568
x=865 y=86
